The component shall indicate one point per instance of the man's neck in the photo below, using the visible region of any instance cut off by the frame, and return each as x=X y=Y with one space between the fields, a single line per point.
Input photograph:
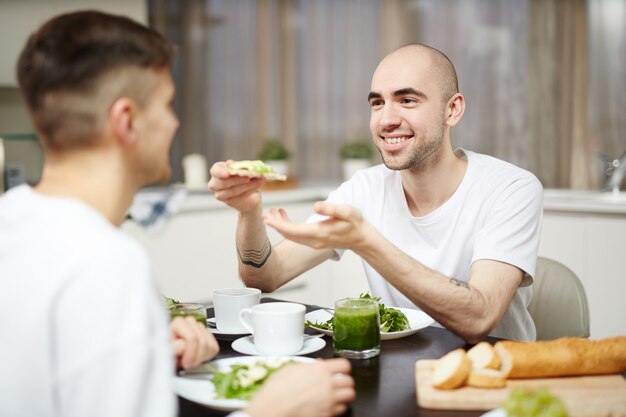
x=428 y=188
x=98 y=181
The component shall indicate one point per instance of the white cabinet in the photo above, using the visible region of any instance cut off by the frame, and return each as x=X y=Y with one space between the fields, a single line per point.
x=195 y=253
x=19 y=18
x=593 y=245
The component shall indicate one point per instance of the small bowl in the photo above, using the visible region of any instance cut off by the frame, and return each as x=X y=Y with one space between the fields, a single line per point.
x=195 y=310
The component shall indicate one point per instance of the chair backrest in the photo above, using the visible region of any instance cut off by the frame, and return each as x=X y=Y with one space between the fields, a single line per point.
x=559 y=304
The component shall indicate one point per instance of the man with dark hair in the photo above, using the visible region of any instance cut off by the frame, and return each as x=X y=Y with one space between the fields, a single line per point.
x=84 y=330
x=452 y=232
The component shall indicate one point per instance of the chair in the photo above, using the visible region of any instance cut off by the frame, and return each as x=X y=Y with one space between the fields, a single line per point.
x=559 y=304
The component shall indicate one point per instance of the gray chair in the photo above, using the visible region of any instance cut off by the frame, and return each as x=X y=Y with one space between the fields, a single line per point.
x=559 y=304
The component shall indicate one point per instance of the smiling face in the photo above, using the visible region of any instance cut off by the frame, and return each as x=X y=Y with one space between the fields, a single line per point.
x=408 y=101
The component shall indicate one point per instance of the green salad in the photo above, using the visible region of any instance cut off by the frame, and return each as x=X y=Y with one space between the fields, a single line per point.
x=242 y=381
x=539 y=403
x=391 y=319
x=170 y=303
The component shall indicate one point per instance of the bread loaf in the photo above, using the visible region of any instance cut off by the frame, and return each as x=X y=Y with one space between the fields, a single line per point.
x=483 y=355
x=486 y=378
x=566 y=356
x=451 y=370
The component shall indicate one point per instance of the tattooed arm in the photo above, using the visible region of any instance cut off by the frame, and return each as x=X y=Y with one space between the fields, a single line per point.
x=268 y=268
x=260 y=265
x=469 y=309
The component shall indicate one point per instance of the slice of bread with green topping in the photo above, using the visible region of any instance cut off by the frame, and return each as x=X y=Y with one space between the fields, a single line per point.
x=254 y=169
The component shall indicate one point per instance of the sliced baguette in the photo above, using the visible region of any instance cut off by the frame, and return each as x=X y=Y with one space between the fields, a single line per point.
x=483 y=355
x=452 y=370
x=486 y=378
x=567 y=356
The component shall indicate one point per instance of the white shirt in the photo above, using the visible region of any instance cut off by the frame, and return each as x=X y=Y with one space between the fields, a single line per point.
x=83 y=330
x=495 y=213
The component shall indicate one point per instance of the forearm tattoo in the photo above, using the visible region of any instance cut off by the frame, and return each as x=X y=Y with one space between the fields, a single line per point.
x=255 y=258
x=459 y=283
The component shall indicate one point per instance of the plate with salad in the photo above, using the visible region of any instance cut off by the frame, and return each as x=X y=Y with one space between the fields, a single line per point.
x=395 y=322
x=229 y=383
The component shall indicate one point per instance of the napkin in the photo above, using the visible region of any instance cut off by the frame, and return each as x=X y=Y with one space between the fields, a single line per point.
x=152 y=209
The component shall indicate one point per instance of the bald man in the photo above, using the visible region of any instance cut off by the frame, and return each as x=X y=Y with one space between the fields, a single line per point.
x=451 y=232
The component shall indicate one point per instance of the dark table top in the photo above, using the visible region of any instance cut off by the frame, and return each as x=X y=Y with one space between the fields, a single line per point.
x=385 y=385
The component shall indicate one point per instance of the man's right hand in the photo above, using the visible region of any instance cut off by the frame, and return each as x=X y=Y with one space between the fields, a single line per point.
x=240 y=193
x=321 y=389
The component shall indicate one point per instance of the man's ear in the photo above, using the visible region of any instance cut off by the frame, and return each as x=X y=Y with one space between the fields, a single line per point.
x=455 y=109
x=123 y=120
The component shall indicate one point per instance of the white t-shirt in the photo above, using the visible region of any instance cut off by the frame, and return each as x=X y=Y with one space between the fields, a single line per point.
x=83 y=331
x=494 y=214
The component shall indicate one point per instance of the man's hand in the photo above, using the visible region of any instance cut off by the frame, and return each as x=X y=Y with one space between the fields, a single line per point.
x=344 y=228
x=320 y=389
x=239 y=192
x=192 y=343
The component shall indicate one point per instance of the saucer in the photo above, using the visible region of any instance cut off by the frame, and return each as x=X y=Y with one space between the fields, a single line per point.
x=246 y=346
x=222 y=335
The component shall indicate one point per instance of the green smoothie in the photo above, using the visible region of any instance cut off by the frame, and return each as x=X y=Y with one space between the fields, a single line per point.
x=357 y=327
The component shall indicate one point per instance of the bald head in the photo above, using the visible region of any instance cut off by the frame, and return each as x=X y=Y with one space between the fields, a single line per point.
x=438 y=64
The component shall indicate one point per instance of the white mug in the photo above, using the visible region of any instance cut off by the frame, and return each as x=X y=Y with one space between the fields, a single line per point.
x=228 y=302
x=278 y=328
x=195 y=170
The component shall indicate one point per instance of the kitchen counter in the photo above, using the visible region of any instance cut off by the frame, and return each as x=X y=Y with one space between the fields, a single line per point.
x=205 y=200
x=583 y=201
x=575 y=201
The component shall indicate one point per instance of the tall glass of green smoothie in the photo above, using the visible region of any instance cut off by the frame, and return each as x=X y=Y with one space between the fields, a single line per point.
x=356 y=333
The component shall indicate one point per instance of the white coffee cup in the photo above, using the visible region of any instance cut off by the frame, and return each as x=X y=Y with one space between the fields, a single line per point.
x=195 y=170
x=228 y=302
x=278 y=328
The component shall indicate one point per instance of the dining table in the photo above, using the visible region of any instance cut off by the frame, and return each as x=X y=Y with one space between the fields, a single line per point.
x=385 y=385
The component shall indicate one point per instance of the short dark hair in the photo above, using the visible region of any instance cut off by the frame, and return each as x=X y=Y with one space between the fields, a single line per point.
x=70 y=61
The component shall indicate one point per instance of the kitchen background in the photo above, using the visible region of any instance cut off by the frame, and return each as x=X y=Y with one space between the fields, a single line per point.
x=544 y=81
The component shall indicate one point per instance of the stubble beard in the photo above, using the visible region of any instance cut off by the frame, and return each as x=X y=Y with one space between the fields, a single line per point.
x=423 y=148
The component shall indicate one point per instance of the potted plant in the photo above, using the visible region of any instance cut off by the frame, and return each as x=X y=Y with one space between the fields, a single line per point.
x=355 y=155
x=275 y=154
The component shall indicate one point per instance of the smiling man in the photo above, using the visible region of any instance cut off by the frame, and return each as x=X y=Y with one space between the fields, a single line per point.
x=452 y=232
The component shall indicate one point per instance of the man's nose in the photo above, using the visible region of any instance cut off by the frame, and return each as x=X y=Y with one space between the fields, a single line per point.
x=389 y=117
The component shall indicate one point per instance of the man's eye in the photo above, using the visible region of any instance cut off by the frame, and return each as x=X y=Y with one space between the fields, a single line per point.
x=376 y=103
x=408 y=100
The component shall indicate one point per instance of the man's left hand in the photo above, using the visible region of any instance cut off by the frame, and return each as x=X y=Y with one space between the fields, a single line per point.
x=344 y=228
x=192 y=343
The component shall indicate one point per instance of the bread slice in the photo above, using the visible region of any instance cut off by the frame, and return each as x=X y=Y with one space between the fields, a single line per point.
x=567 y=356
x=486 y=378
x=452 y=370
x=483 y=355
x=255 y=169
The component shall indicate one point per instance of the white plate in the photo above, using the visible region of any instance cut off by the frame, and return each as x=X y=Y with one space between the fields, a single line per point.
x=201 y=390
x=496 y=412
x=417 y=321
x=246 y=346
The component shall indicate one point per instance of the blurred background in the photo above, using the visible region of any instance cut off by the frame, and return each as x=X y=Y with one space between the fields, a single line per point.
x=544 y=80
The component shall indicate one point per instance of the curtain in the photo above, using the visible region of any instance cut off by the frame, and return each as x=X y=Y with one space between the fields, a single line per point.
x=299 y=70
x=607 y=80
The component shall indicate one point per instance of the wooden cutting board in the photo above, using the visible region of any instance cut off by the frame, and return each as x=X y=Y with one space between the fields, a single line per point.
x=584 y=396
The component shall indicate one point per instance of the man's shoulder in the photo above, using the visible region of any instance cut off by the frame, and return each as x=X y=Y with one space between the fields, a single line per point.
x=495 y=169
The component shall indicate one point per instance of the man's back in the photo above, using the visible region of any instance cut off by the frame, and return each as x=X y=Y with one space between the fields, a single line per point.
x=82 y=318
